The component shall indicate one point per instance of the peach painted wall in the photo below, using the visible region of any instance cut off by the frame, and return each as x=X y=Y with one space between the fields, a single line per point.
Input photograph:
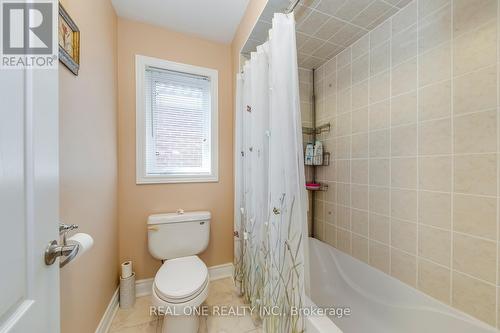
x=136 y=202
x=88 y=165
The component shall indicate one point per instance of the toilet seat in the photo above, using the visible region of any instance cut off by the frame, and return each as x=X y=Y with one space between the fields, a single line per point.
x=181 y=280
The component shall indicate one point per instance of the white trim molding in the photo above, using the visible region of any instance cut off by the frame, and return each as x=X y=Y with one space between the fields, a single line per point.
x=109 y=314
x=145 y=286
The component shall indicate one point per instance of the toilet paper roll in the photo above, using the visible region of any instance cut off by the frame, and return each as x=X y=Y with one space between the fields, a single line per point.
x=126 y=269
x=84 y=241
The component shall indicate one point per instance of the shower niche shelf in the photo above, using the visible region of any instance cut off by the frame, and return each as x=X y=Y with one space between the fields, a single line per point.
x=326 y=161
x=322 y=187
x=325 y=128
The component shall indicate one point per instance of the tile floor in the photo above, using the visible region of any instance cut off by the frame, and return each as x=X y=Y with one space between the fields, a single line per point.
x=221 y=292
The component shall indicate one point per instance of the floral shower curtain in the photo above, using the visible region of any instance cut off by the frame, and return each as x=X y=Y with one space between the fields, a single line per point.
x=271 y=199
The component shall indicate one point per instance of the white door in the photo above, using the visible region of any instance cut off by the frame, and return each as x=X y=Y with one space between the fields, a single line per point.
x=29 y=289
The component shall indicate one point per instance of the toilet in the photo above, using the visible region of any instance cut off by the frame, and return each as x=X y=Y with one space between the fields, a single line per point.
x=181 y=283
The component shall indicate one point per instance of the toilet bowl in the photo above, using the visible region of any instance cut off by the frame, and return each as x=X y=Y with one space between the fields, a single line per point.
x=181 y=284
x=179 y=288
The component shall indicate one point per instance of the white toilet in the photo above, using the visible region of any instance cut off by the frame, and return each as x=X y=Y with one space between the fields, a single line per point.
x=181 y=283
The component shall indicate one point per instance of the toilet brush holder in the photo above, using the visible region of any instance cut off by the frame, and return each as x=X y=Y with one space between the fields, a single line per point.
x=127 y=292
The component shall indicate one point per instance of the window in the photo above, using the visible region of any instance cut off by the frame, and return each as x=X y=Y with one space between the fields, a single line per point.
x=177 y=136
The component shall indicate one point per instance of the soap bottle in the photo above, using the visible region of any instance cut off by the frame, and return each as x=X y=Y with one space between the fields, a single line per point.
x=318 y=153
x=308 y=160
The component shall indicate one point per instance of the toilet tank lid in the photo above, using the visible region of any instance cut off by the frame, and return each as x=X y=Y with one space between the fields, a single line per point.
x=178 y=217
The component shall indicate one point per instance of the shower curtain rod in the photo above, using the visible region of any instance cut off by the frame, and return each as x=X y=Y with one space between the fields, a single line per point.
x=291 y=8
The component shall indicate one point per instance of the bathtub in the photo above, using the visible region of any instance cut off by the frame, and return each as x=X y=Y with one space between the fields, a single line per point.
x=378 y=302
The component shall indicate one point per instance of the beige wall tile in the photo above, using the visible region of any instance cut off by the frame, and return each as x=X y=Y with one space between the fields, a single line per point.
x=344 y=78
x=359 y=196
x=426 y=7
x=404 y=141
x=404 y=204
x=359 y=145
x=343 y=170
x=404 y=267
x=435 y=137
x=360 y=247
x=404 y=18
x=380 y=228
x=380 y=34
x=344 y=194
x=404 y=235
x=435 y=65
x=380 y=114
x=359 y=222
x=379 y=143
x=404 y=77
x=379 y=172
x=343 y=149
x=435 y=209
x=380 y=59
x=329 y=212
x=331 y=234
x=360 y=69
x=319 y=210
x=435 y=173
x=318 y=230
x=434 y=244
x=404 y=109
x=435 y=29
x=475 y=49
x=343 y=217
x=360 y=120
x=475 y=256
x=469 y=14
x=435 y=101
x=476 y=133
x=404 y=45
x=360 y=95
x=404 y=172
x=476 y=174
x=475 y=91
x=379 y=256
x=344 y=240
x=380 y=86
x=344 y=101
x=475 y=215
x=361 y=47
x=344 y=124
x=360 y=171
x=379 y=200
x=474 y=297
x=434 y=280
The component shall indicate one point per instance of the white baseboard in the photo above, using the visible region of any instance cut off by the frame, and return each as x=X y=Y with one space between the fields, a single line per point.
x=221 y=271
x=109 y=314
x=144 y=287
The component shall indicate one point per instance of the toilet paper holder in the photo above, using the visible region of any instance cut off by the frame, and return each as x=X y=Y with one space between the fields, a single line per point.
x=68 y=251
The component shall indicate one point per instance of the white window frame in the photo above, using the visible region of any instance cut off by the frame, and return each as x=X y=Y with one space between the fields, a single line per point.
x=143 y=62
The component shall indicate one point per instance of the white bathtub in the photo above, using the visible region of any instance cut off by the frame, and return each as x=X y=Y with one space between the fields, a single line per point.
x=379 y=303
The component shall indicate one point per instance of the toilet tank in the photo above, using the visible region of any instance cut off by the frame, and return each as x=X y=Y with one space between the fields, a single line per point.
x=175 y=235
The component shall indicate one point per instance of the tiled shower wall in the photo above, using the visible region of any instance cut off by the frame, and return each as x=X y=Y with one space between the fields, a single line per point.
x=413 y=183
x=306 y=109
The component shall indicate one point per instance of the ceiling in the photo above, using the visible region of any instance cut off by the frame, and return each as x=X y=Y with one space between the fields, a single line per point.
x=326 y=27
x=215 y=20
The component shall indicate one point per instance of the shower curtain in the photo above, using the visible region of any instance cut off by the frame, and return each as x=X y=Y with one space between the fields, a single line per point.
x=270 y=198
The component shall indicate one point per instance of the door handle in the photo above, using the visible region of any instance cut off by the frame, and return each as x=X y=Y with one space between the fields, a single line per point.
x=53 y=251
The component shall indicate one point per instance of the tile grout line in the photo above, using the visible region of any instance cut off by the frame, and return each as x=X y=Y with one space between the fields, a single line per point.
x=417 y=246
x=498 y=169
x=452 y=199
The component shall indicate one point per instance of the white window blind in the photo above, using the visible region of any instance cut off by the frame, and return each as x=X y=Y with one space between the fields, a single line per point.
x=178 y=123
